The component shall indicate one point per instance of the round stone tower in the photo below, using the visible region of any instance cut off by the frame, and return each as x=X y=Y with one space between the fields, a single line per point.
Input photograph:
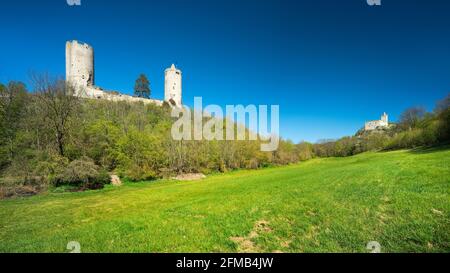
x=79 y=64
x=172 y=86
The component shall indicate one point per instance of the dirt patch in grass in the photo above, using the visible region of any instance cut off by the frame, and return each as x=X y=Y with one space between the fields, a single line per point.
x=437 y=212
x=246 y=244
x=190 y=177
x=19 y=191
x=286 y=244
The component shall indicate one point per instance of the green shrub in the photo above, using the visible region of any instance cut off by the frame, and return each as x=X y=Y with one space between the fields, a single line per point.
x=82 y=173
x=20 y=186
x=136 y=173
x=431 y=133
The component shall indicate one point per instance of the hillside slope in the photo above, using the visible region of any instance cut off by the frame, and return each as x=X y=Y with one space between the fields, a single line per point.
x=400 y=199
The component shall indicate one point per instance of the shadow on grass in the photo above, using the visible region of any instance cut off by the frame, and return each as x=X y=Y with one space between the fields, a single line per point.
x=421 y=150
x=427 y=150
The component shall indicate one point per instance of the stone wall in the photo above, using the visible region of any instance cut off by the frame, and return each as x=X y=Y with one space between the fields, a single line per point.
x=372 y=125
x=97 y=93
x=80 y=72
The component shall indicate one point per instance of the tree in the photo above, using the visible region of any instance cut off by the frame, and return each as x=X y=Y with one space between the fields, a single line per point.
x=12 y=111
x=58 y=104
x=411 y=117
x=443 y=115
x=442 y=105
x=305 y=151
x=142 y=87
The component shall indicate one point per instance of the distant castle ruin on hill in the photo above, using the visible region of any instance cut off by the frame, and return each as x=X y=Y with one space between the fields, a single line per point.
x=80 y=71
x=375 y=124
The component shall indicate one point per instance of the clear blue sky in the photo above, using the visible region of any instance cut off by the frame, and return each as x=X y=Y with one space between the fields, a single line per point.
x=329 y=64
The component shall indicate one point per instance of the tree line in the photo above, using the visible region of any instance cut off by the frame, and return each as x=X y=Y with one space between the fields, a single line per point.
x=52 y=139
x=416 y=128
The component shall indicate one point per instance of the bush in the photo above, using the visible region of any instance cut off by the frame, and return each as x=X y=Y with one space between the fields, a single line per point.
x=82 y=173
x=305 y=151
x=20 y=186
x=407 y=139
x=430 y=133
x=136 y=173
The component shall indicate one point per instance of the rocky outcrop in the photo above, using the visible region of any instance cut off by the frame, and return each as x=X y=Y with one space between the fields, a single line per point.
x=190 y=177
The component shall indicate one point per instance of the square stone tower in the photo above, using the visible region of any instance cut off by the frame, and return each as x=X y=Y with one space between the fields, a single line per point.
x=79 y=64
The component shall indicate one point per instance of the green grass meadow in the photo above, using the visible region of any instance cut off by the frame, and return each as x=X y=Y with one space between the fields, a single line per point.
x=400 y=199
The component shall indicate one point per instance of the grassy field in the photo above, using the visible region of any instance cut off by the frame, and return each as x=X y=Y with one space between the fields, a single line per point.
x=400 y=199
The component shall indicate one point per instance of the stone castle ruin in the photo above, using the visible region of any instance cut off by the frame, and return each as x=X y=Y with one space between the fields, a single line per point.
x=80 y=71
x=375 y=124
